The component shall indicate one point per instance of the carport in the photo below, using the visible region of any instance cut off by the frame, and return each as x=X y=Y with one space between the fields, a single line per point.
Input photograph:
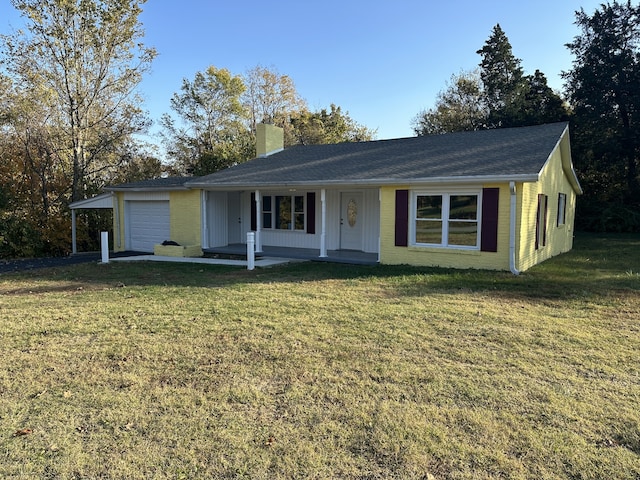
x=103 y=201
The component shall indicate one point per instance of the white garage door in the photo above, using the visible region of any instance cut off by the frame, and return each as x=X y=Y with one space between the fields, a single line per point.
x=148 y=224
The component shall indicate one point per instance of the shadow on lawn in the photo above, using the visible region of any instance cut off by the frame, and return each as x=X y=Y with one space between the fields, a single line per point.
x=598 y=264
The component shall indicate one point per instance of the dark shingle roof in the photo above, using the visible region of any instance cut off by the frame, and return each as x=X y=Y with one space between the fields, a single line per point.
x=502 y=153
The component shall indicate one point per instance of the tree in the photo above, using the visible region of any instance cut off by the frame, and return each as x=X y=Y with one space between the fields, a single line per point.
x=603 y=89
x=540 y=103
x=502 y=77
x=211 y=133
x=88 y=57
x=460 y=107
x=322 y=127
x=498 y=95
x=270 y=97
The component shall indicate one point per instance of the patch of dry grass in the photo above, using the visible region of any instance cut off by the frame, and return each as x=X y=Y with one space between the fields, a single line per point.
x=324 y=371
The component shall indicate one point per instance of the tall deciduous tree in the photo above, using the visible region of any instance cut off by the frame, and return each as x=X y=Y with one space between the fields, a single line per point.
x=88 y=57
x=322 y=127
x=603 y=87
x=210 y=132
x=271 y=97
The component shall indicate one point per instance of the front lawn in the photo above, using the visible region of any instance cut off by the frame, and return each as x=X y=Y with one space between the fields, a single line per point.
x=311 y=370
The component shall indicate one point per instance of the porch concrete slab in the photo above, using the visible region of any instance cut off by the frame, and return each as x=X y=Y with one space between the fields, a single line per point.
x=262 y=262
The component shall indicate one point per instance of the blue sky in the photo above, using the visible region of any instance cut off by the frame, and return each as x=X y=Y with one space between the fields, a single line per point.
x=381 y=61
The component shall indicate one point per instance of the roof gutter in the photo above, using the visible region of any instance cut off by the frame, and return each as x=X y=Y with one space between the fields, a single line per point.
x=146 y=189
x=368 y=182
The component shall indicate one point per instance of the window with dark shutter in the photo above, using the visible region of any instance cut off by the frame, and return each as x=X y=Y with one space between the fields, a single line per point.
x=541 y=222
x=489 y=229
x=311 y=212
x=402 y=218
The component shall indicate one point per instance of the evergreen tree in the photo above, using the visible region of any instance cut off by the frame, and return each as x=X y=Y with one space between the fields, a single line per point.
x=603 y=87
x=502 y=80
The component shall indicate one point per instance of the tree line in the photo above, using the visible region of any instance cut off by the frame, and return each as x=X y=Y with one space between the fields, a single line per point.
x=601 y=101
x=71 y=115
x=71 y=118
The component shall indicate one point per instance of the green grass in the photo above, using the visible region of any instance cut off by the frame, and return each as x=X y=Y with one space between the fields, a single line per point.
x=165 y=371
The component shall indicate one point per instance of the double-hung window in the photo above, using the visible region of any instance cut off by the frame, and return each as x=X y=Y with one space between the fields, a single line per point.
x=562 y=208
x=283 y=212
x=446 y=220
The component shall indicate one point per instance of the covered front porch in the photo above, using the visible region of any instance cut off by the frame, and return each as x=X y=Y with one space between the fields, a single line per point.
x=352 y=257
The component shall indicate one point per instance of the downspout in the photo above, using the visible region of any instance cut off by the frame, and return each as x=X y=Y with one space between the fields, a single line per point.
x=512 y=230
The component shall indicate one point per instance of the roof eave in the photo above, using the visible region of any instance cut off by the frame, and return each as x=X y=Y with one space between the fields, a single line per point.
x=466 y=180
x=145 y=189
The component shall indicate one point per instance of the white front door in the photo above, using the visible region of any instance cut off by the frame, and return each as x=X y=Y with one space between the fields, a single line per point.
x=351 y=216
x=235 y=217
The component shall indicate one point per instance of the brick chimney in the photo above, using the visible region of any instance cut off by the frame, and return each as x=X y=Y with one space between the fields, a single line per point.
x=269 y=139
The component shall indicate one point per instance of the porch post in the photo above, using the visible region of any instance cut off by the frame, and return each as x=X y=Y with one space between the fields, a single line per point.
x=323 y=217
x=258 y=222
x=74 y=249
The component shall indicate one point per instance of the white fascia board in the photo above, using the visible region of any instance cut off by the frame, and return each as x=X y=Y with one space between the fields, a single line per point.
x=104 y=200
x=480 y=179
x=145 y=189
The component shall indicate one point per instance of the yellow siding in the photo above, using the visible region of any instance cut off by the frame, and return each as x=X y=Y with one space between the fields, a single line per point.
x=553 y=180
x=118 y=222
x=185 y=217
x=424 y=256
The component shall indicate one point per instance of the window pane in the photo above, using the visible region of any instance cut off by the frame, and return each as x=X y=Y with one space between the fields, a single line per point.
x=283 y=206
x=463 y=207
x=299 y=225
x=266 y=204
x=299 y=202
x=428 y=231
x=429 y=206
x=463 y=234
x=266 y=220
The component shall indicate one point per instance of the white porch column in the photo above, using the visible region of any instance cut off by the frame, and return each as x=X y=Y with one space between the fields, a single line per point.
x=258 y=222
x=323 y=221
x=74 y=249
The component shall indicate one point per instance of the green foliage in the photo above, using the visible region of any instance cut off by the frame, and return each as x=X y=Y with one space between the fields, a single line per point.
x=322 y=127
x=502 y=79
x=210 y=119
x=603 y=88
x=460 y=107
x=82 y=61
x=498 y=95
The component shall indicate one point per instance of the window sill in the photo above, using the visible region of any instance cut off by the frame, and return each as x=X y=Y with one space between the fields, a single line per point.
x=461 y=251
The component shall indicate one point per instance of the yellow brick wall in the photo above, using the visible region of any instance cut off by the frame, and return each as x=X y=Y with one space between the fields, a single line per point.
x=118 y=222
x=553 y=181
x=185 y=217
x=429 y=256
